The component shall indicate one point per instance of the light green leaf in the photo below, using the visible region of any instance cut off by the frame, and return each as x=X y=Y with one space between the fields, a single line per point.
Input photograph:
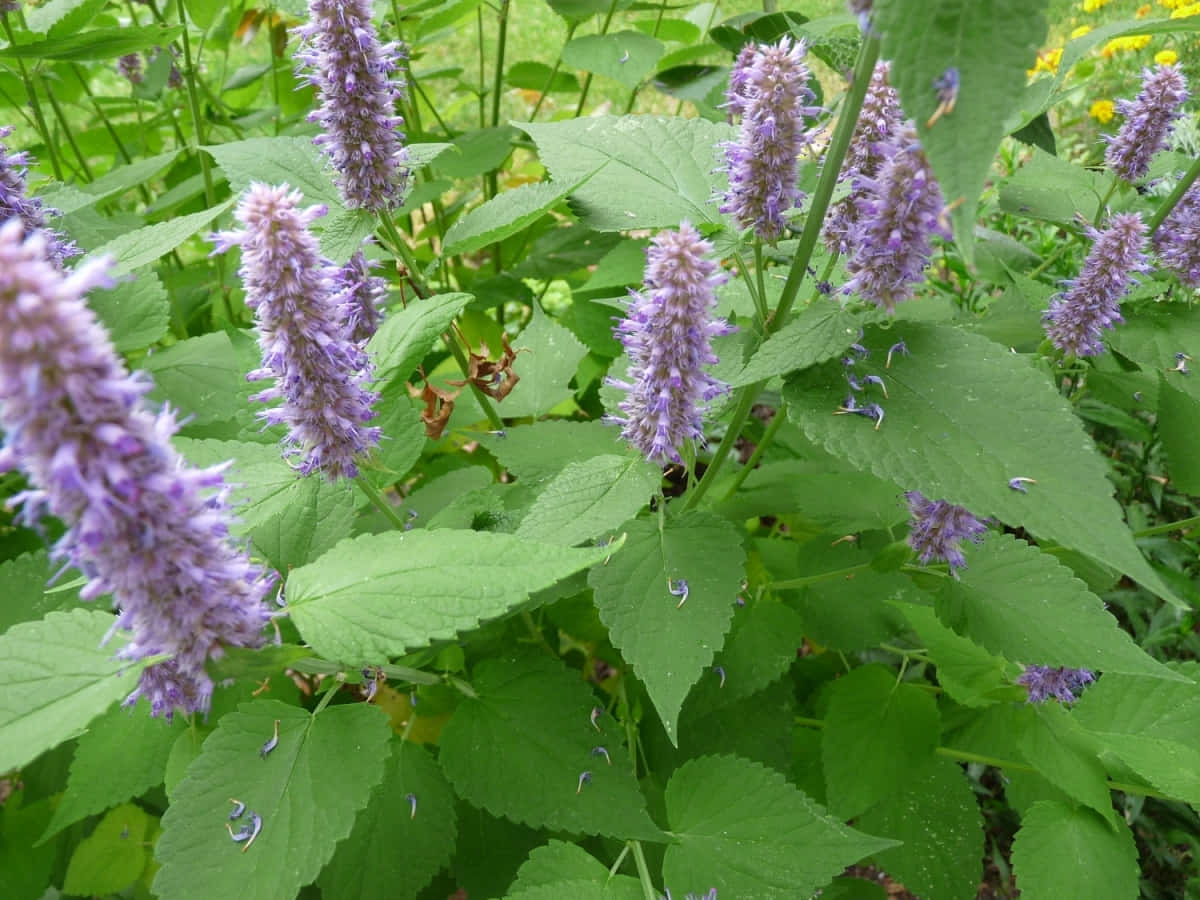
x=944 y=398
x=1170 y=766
x=139 y=172
x=1178 y=425
x=1062 y=853
x=991 y=43
x=967 y=672
x=625 y=56
x=577 y=10
x=307 y=792
x=294 y=161
x=537 y=76
x=668 y=640
x=520 y=748
x=366 y=864
x=589 y=498
x=1129 y=704
x=860 y=769
x=537 y=453
x=741 y=828
x=201 y=377
x=143 y=246
x=1029 y=608
x=54 y=679
x=505 y=215
x=343 y=233
x=40 y=19
x=113 y=856
x=136 y=312
x=577 y=889
x=559 y=862
x=26 y=596
x=406 y=336
x=1065 y=755
x=400 y=446
x=820 y=332
x=381 y=595
x=937 y=821
x=659 y=171
x=553 y=354
x=1052 y=189
x=94 y=44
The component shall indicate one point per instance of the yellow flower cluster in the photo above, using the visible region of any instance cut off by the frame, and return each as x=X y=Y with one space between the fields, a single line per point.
x=1166 y=57
x=1080 y=31
x=1093 y=5
x=1102 y=111
x=1183 y=12
x=1047 y=61
x=1173 y=4
x=1117 y=45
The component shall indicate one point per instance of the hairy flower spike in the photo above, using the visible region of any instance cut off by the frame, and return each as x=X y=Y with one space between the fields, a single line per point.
x=1148 y=121
x=771 y=91
x=937 y=529
x=736 y=93
x=303 y=326
x=142 y=525
x=667 y=333
x=352 y=73
x=899 y=212
x=366 y=294
x=1178 y=239
x=15 y=203
x=1044 y=682
x=879 y=120
x=1092 y=302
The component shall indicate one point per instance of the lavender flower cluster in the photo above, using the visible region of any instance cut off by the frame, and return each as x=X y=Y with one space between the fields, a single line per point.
x=938 y=528
x=307 y=315
x=1149 y=119
x=667 y=333
x=769 y=87
x=352 y=73
x=1177 y=240
x=365 y=294
x=1044 y=682
x=141 y=525
x=14 y=202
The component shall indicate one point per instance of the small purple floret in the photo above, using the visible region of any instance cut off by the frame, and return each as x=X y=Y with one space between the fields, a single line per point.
x=15 y=203
x=130 y=65
x=1044 y=682
x=1148 y=121
x=1177 y=240
x=938 y=527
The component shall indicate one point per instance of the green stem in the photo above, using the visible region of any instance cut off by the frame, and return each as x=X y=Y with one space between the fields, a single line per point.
x=818 y=578
x=66 y=127
x=380 y=502
x=1049 y=260
x=744 y=472
x=759 y=274
x=1112 y=189
x=553 y=72
x=42 y=127
x=482 y=73
x=498 y=78
x=1168 y=526
x=745 y=402
x=639 y=857
x=1173 y=198
x=587 y=82
x=760 y=300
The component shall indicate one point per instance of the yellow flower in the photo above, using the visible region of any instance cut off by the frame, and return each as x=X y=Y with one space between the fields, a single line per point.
x=1184 y=12
x=1166 y=57
x=1143 y=11
x=1117 y=45
x=1080 y=31
x=1172 y=4
x=1047 y=61
x=1102 y=111
x=1093 y=5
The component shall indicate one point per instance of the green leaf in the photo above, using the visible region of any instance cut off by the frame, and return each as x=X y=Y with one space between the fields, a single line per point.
x=343 y=233
x=117 y=181
x=94 y=44
x=760 y=649
x=54 y=679
x=294 y=161
x=26 y=597
x=381 y=595
x=625 y=56
x=307 y=792
x=537 y=76
x=757 y=728
x=478 y=151
x=143 y=246
x=406 y=336
x=1065 y=755
x=201 y=377
x=1062 y=853
x=944 y=396
x=659 y=171
x=366 y=864
x=939 y=826
x=537 y=453
x=122 y=755
x=620 y=888
x=967 y=672
x=505 y=215
x=819 y=333
x=670 y=641
x=113 y=856
x=559 y=862
x=577 y=10
x=1178 y=425
x=519 y=749
x=1052 y=189
x=1139 y=705
x=136 y=312
x=1171 y=767
x=1029 y=608
x=553 y=354
x=40 y=19
x=400 y=446
x=741 y=828
x=589 y=498
x=26 y=864
x=861 y=769
x=991 y=44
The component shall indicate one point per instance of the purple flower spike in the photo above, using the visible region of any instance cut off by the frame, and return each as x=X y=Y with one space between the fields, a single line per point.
x=667 y=333
x=900 y=210
x=772 y=93
x=1044 y=682
x=130 y=65
x=303 y=324
x=366 y=295
x=140 y=524
x=1092 y=302
x=1148 y=121
x=352 y=73
x=1178 y=239
x=879 y=120
x=938 y=527
x=15 y=203
x=737 y=92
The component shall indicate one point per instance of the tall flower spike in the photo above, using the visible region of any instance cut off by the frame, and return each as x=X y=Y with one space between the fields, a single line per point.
x=667 y=333
x=878 y=122
x=900 y=210
x=1044 y=682
x=1178 y=239
x=303 y=330
x=735 y=94
x=1148 y=121
x=937 y=529
x=142 y=525
x=14 y=202
x=365 y=294
x=1092 y=302
x=771 y=90
x=352 y=73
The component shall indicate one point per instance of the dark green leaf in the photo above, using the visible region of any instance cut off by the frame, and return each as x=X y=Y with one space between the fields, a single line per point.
x=406 y=336
x=136 y=312
x=1073 y=854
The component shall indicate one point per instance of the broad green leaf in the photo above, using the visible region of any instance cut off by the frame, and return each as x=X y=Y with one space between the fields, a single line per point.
x=1170 y=766
x=659 y=171
x=1178 y=425
x=589 y=498
x=277 y=160
x=944 y=398
x=758 y=727
x=537 y=76
x=307 y=791
x=94 y=44
x=990 y=43
x=760 y=649
x=937 y=821
x=537 y=453
x=818 y=333
x=26 y=864
x=1062 y=853
x=366 y=864
x=577 y=10
x=521 y=747
x=54 y=679
x=1139 y=705
x=861 y=769
x=853 y=613
x=113 y=856
x=143 y=246
x=1029 y=608
x=669 y=639
x=407 y=335
x=1052 y=189
x=343 y=233
x=476 y=152
x=1065 y=755
x=967 y=672
x=381 y=595
x=551 y=358
x=742 y=829
x=622 y=887
x=139 y=172
x=400 y=446
x=40 y=19
x=559 y=862
x=122 y=755
x=624 y=56
x=26 y=595
x=201 y=377
x=136 y=313
x=505 y=215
